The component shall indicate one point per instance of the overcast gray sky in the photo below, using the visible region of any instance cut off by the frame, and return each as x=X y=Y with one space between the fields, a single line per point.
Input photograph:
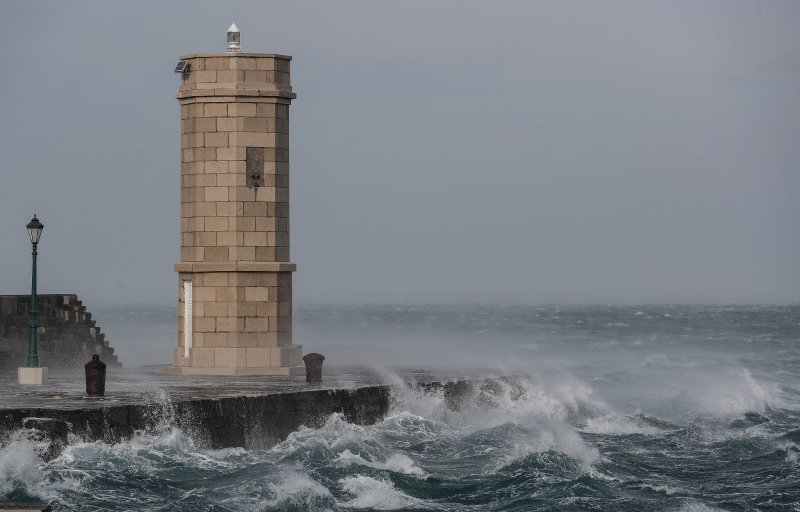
x=615 y=151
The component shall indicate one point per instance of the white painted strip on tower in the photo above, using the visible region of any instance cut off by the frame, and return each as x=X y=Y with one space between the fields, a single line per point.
x=187 y=317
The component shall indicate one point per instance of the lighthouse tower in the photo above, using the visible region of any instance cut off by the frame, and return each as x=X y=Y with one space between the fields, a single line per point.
x=235 y=274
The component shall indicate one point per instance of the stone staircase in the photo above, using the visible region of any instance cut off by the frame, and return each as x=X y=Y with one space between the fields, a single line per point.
x=68 y=336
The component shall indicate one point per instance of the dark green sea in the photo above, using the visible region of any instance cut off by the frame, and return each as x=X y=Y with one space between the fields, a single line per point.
x=614 y=408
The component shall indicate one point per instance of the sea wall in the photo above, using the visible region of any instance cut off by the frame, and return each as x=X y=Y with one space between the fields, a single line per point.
x=67 y=334
x=258 y=421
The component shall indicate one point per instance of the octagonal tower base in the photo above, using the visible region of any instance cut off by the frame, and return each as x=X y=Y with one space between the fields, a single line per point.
x=235 y=275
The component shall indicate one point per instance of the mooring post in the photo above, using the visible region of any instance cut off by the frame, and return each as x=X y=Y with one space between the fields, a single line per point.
x=95 y=377
x=313 y=367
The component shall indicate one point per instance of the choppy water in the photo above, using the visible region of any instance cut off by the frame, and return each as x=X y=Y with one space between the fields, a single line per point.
x=624 y=408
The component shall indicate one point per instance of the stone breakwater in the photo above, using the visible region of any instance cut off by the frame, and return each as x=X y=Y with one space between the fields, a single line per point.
x=252 y=421
x=68 y=335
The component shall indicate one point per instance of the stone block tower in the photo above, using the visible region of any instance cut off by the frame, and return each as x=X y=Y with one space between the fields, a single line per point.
x=235 y=275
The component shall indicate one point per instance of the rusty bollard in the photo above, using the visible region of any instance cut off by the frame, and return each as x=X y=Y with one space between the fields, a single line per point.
x=313 y=367
x=95 y=377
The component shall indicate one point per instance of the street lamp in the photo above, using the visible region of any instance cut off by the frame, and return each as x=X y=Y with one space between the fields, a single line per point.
x=35 y=232
x=32 y=373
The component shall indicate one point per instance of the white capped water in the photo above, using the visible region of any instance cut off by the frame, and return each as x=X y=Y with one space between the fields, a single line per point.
x=680 y=408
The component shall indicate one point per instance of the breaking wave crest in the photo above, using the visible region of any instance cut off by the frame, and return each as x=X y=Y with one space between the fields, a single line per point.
x=20 y=471
x=375 y=494
x=506 y=437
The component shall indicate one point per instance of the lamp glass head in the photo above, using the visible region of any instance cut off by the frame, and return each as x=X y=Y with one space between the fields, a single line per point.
x=35 y=229
x=233 y=38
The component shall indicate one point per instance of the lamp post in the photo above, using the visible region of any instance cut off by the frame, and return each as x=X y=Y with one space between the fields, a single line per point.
x=32 y=373
x=35 y=232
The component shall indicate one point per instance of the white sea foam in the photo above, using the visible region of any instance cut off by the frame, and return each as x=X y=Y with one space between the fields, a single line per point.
x=666 y=489
x=683 y=389
x=146 y=453
x=396 y=462
x=172 y=438
x=547 y=437
x=791 y=449
x=412 y=428
x=377 y=494
x=725 y=394
x=696 y=506
x=544 y=407
x=295 y=489
x=612 y=424
x=227 y=453
x=334 y=436
x=521 y=401
x=20 y=467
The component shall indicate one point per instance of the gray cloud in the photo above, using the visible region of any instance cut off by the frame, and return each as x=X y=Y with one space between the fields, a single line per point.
x=548 y=151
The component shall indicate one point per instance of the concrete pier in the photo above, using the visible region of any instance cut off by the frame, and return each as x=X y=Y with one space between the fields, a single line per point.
x=216 y=411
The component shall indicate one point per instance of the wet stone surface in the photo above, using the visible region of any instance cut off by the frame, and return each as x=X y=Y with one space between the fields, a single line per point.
x=148 y=385
x=251 y=412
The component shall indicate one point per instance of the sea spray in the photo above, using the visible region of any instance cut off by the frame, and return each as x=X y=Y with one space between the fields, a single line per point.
x=396 y=462
x=20 y=472
x=376 y=494
x=697 y=411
